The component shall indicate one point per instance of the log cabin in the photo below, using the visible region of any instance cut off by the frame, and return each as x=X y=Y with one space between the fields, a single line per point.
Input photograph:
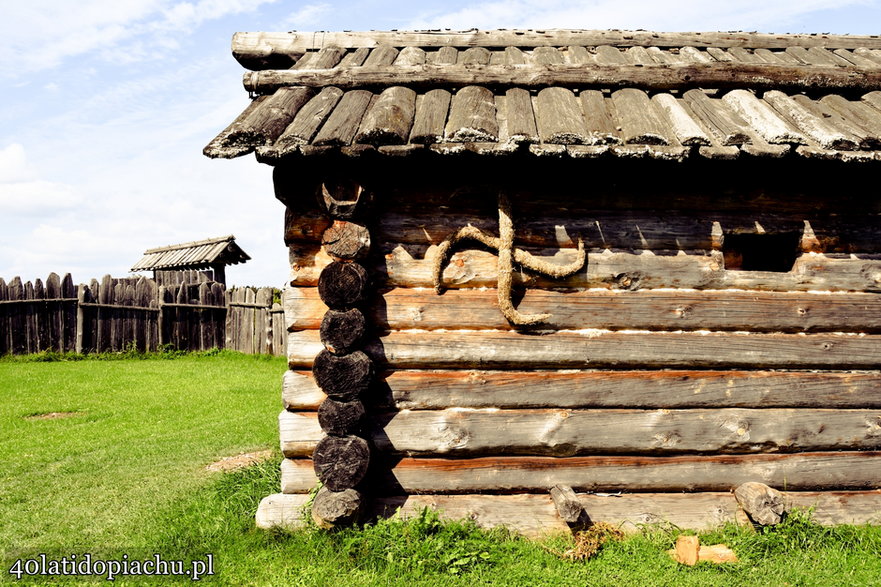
x=543 y=278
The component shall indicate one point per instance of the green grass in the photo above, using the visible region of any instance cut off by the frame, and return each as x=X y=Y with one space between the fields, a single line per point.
x=127 y=476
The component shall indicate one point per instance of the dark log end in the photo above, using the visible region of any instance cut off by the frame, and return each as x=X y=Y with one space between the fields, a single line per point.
x=343 y=199
x=342 y=331
x=334 y=509
x=343 y=378
x=346 y=240
x=340 y=418
x=341 y=462
x=764 y=505
x=567 y=503
x=342 y=285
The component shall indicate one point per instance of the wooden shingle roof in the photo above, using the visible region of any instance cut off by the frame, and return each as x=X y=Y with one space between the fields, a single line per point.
x=193 y=255
x=580 y=94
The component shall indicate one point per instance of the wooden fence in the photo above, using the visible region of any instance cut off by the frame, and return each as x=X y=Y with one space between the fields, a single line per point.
x=117 y=314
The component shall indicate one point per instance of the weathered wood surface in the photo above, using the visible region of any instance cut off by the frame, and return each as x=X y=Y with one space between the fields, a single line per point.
x=520 y=116
x=342 y=331
x=340 y=418
x=474 y=432
x=559 y=117
x=474 y=268
x=535 y=515
x=343 y=378
x=430 y=117
x=333 y=509
x=659 y=77
x=345 y=240
x=343 y=199
x=342 y=285
x=640 y=121
x=343 y=122
x=428 y=390
x=308 y=120
x=472 y=116
x=494 y=349
x=567 y=503
x=257 y=47
x=406 y=308
x=763 y=504
x=388 y=120
x=340 y=462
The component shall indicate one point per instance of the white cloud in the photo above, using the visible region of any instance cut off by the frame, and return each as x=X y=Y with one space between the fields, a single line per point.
x=673 y=15
x=307 y=16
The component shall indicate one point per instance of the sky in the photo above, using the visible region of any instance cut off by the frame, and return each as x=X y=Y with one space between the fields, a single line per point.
x=107 y=104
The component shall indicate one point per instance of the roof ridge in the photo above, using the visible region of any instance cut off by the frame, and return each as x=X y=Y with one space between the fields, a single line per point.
x=208 y=241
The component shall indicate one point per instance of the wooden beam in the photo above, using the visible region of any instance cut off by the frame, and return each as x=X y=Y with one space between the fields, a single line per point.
x=264 y=44
x=400 y=266
x=798 y=472
x=427 y=390
x=471 y=432
x=719 y=75
x=495 y=349
x=535 y=515
x=405 y=308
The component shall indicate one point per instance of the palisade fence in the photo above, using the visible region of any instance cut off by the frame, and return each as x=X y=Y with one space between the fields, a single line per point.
x=117 y=314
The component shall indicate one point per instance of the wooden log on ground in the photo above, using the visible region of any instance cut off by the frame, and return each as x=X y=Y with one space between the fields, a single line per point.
x=800 y=472
x=340 y=418
x=535 y=515
x=658 y=77
x=341 y=462
x=342 y=331
x=346 y=240
x=426 y=390
x=342 y=285
x=464 y=432
x=406 y=308
x=567 y=503
x=345 y=377
x=493 y=349
x=764 y=505
x=335 y=509
x=399 y=267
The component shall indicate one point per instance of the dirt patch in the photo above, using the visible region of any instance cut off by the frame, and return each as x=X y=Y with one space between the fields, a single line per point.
x=239 y=461
x=53 y=415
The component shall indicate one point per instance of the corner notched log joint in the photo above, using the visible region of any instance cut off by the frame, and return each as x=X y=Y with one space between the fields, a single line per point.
x=507 y=256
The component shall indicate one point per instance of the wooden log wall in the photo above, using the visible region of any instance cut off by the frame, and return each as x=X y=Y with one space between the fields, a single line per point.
x=118 y=314
x=661 y=369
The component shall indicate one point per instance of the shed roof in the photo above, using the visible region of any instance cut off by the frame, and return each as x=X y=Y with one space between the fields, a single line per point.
x=580 y=94
x=193 y=255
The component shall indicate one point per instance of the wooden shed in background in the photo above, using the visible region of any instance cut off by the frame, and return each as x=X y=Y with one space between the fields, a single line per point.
x=176 y=264
x=645 y=266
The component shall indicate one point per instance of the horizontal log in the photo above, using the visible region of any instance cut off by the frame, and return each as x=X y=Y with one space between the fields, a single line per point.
x=428 y=390
x=581 y=349
x=657 y=77
x=404 y=266
x=404 y=308
x=535 y=515
x=797 y=472
x=537 y=226
x=473 y=432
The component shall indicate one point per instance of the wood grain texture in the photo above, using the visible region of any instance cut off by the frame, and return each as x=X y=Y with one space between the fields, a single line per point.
x=535 y=515
x=474 y=268
x=340 y=462
x=406 y=308
x=563 y=433
x=559 y=117
x=431 y=117
x=343 y=285
x=307 y=121
x=427 y=390
x=609 y=474
x=389 y=119
x=342 y=331
x=490 y=349
x=261 y=45
x=343 y=377
x=520 y=116
x=346 y=240
x=660 y=77
x=472 y=116
x=343 y=122
x=640 y=121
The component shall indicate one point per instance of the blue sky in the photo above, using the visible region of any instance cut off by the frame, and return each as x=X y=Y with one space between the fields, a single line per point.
x=108 y=103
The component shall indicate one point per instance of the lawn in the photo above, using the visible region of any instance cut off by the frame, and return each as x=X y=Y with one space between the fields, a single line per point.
x=122 y=474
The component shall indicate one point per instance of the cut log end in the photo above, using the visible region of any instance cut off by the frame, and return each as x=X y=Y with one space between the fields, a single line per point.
x=764 y=505
x=335 y=509
x=341 y=462
x=342 y=331
x=567 y=503
x=343 y=378
x=346 y=240
x=342 y=285
x=340 y=418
